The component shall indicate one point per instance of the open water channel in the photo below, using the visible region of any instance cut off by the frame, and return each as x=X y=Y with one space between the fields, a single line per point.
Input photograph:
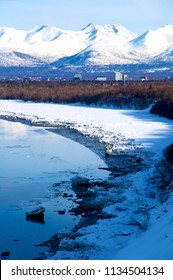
x=32 y=161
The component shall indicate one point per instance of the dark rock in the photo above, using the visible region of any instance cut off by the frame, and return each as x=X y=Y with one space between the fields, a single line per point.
x=66 y=195
x=5 y=254
x=86 y=194
x=87 y=208
x=61 y=212
x=36 y=215
x=168 y=153
x=80 y=183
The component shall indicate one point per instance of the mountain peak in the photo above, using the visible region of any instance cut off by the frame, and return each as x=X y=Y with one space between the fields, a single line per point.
x=169 y=25
x=90 y=27
x=155 y=41
x=100 y=44
x=6 y=28
x=46 y=27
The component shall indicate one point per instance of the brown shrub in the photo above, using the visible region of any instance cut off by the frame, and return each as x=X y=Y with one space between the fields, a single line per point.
x=112 y=93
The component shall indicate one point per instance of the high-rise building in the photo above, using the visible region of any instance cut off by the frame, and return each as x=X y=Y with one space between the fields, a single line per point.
x=118 y=76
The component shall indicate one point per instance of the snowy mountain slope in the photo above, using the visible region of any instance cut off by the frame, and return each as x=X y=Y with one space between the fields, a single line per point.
x=167 y=55
x=154 y=42
x=11 y=35
x=45 y=33
x=106 y=32
x=51 y=43
x=12 y=58
x=102 y=54
x=105 y=45
x=116 y=48
x=45 y=43
x=94 y=45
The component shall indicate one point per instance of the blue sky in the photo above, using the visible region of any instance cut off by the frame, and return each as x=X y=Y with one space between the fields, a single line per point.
x=136 y=15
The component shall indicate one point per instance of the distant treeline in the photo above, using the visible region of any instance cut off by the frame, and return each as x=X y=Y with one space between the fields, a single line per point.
x=137 y=95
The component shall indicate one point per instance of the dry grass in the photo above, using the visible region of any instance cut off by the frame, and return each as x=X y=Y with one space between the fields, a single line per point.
x=136 y=94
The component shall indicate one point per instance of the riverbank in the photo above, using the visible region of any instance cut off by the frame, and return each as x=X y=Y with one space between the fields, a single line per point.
x=91 y=195
x=128 y=202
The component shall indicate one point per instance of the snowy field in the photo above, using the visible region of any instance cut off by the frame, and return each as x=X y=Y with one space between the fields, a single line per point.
x=141 y=225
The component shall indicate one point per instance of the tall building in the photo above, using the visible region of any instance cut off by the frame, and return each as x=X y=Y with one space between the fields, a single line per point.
x=118 y=76
x=125 y=78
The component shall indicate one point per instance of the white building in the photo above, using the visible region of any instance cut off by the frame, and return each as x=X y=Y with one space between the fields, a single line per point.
x=77 y=77
x=125 y=78
x=101 y=79
x=118 y=76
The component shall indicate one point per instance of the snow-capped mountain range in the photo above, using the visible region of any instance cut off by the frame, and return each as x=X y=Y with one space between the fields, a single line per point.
x=93 y=46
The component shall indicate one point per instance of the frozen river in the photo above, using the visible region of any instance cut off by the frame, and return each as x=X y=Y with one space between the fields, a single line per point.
x=32 y=161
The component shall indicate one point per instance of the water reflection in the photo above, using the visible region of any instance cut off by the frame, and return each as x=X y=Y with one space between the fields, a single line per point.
x=9 y=130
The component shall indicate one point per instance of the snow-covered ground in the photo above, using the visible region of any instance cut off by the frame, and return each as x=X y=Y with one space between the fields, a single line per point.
x=141 y=225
